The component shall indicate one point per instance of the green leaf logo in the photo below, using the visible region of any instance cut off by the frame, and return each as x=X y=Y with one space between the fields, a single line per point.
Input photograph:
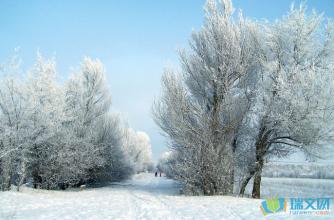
x=273 y=204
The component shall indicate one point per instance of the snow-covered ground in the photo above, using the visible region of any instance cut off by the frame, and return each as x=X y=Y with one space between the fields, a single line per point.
x=148 y=197
x=295 y=187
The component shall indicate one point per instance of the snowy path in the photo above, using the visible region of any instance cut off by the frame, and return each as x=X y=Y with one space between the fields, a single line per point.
x=143 y=197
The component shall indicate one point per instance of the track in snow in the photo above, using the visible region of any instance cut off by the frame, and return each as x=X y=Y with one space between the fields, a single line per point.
x=147 y=194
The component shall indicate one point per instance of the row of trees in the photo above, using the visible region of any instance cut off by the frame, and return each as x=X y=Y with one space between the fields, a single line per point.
x=58 y=135
x=247 y=90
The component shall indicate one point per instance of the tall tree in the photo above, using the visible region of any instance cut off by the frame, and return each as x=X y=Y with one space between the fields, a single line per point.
x=87 y=103
x=44 y=104
x=201 y=112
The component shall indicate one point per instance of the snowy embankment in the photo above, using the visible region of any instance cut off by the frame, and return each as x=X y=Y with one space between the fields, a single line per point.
x=144 y=197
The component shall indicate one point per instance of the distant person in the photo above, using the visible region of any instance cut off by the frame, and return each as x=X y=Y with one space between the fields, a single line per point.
x=160 y=174
x=156 y=173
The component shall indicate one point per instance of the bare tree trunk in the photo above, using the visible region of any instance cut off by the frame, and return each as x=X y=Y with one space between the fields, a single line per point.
x=256 y=193
x=245 y=183
x=37 y=180
x=261 y=147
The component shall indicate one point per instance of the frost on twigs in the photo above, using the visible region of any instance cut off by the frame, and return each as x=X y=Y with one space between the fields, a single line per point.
x=57 y=135
x=247 y=91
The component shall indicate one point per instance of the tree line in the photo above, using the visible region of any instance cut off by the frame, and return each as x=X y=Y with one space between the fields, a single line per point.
x=58 y=135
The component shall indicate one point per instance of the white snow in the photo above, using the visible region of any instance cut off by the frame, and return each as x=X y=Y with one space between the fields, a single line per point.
x=143 y=197
x=295 y=187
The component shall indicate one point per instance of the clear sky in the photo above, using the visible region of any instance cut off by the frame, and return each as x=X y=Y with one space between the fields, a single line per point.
x=134 y=39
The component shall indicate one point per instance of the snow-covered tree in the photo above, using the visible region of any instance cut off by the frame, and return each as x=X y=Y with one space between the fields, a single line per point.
x=117 y=164
x=87 y=103
x=145 y=158
x=44 y=105
x=60 y=136
x=138 y=148
x=94 y=149
x=202 y=108
x=167 y=163
x=13 y=126
x=295 y=90
x=247 y=91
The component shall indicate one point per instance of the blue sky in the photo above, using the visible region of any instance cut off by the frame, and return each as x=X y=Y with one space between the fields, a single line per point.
x=134 y=39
